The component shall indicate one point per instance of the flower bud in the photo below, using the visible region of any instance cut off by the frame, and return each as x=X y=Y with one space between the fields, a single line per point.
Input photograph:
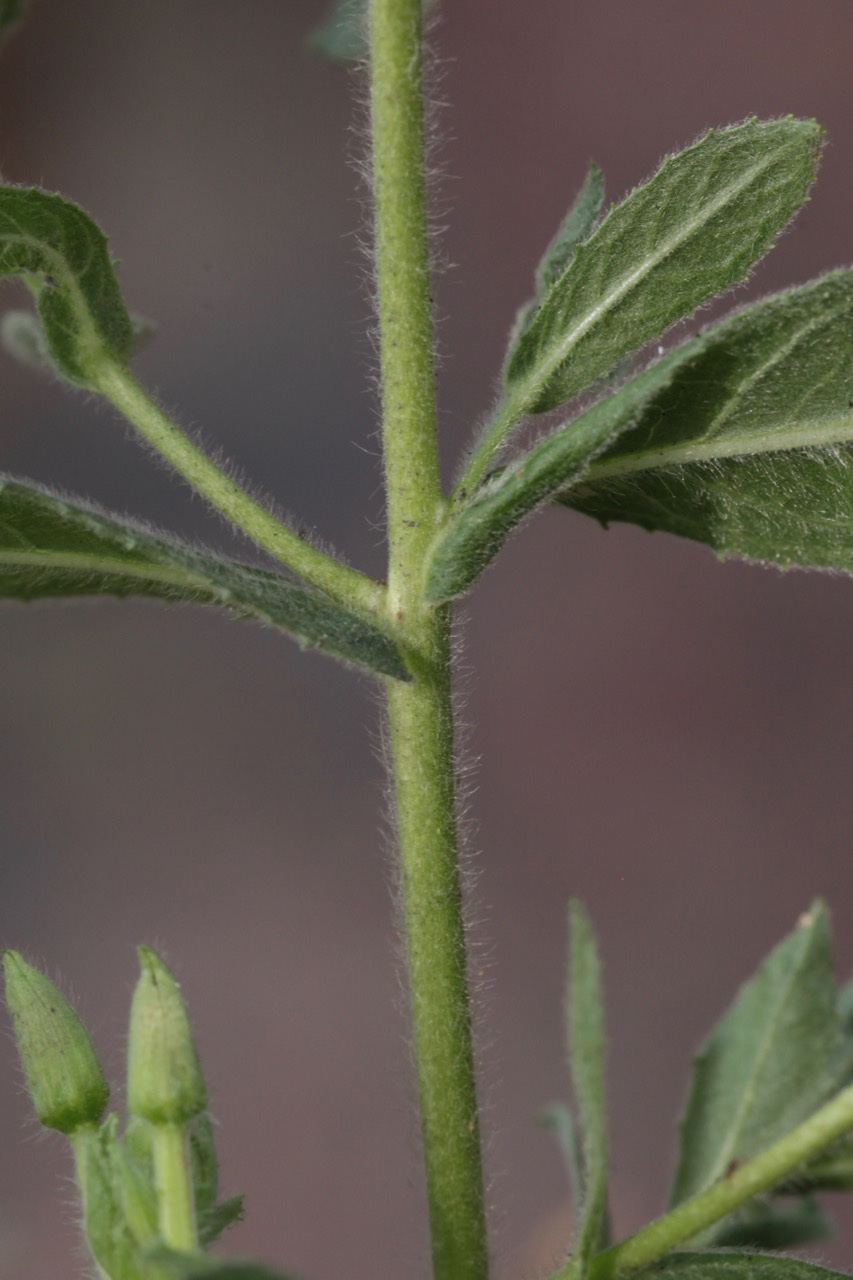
x=61 y=1069
x=164 y=1080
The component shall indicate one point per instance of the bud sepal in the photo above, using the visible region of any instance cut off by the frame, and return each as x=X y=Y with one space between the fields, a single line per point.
x=62 y=1071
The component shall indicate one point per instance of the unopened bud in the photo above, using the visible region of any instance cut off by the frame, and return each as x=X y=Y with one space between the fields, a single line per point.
x=60 y=1065
x=165 y=1084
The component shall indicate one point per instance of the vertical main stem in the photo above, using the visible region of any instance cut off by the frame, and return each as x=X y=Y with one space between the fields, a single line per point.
x=420 y=712
x=422 y=756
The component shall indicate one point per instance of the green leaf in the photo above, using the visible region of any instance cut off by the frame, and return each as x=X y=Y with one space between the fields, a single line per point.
x=107 y=1192
x=769 y=1224
x=181 y=1266
x=586 y=1043
x=749 y=447
x=343 y=36
x=219 y=1217
x=52 y=547
x=214 y=1216
x=11 y=13
x=472 y=538
x=764 y=1067
x=577 y=225
x=832 y=1170
x=558 y=1117
x=692 y=230
x=62 y=257
x=732 y=1264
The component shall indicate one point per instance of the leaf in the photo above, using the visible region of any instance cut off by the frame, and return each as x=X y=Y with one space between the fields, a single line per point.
x=343 y=36
x=474 y=536
x=576 y=227
x=732 y=1264
x=219 y=1217
x=558 y=1118
x=832 y=1170
x=12 y=12
x=769 y=1224
x=24 y=338
x=692 y=230
x=62 y=257
x=214 y=1216
x=104 y=1190
x=52 y=547
x=586 y=1042
x=749 y=447
x=764 y=1067
x=181 y=1266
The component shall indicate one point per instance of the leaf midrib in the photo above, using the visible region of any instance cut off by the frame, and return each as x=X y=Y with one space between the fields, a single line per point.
x=561 y=350
x=748 y=1091
x=107 y=567
x=87 y=335
x=813 y=434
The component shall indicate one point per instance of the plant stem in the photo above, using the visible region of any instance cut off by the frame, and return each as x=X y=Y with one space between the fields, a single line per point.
x=420 y=713
x=173 y=1185
x=765 y=1170
x=337 y=580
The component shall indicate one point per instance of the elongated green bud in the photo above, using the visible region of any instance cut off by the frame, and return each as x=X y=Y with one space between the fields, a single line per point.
x=165 y=1084
x=60 y=1065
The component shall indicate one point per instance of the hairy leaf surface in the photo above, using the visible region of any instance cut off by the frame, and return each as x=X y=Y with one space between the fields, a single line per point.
x=764 y=1067
x=577 y=225
x=586 y=1042
x=691 y=231
x=749 y=447
x=181 y=1266
x=474 y=536
x=773 y=1223
x=732 y=1264
x=62 y=256
x=52 y=547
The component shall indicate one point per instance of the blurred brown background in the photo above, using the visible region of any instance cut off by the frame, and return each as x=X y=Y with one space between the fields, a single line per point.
x=665 y=737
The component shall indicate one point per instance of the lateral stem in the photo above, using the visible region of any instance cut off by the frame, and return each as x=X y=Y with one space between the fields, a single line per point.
x=341 y=583
x=751 y=1178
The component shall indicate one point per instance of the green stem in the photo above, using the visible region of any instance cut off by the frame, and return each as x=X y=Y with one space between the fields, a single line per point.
x=81 y=1140
x=421 y=744
x=420 y=713
x=174 y=1187
x=343 y=584
x=761 y=1173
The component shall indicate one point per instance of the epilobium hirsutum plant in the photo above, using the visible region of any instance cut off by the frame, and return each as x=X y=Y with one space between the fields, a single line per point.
x=739 y=437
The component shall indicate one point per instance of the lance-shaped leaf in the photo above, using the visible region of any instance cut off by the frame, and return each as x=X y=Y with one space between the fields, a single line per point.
x=691 y=231
x=586 y=1043
x=749 y=448
x=62 y=256
x=575 y=227
x=773 y=1223
x=343 y=36
x=764 y=1067
x=164 y=1262
x=732 y=1264
x=52 y=547
x=472 y=538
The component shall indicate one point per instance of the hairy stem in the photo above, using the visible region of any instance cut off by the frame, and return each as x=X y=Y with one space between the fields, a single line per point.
x=173 y=1185
x=420 y=713
x=759 y=1174
x=337 y=580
